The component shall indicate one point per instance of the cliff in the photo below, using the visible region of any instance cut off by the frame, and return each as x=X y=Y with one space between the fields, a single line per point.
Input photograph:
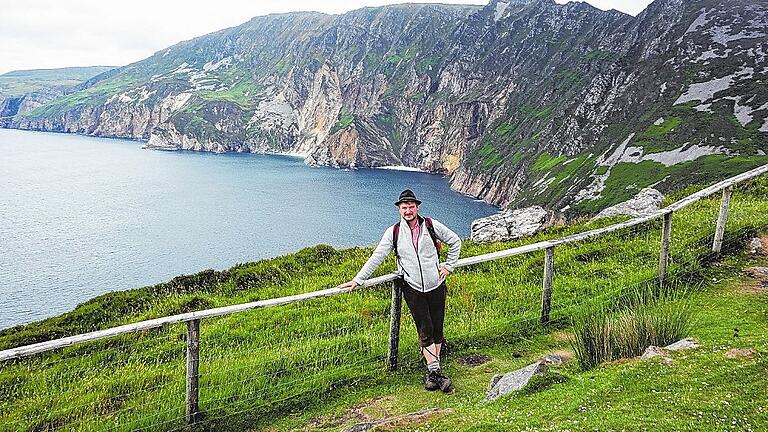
x=519 y=102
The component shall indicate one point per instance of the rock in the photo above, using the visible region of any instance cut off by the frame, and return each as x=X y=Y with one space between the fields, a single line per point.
x=556 y=358
x=654 y=351
x=516 y=380
x=359 y=413
x=504 y=384
x=494 y=381
x=398 y=421
x=757 y=247
x=683 y=344
x=757 y=282
x=644 y=203
x=741 y=353
x=757 y=272
x=509 y=225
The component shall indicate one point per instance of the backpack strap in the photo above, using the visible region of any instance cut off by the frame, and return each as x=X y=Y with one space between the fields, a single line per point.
x=395 y=234
x=431 y=230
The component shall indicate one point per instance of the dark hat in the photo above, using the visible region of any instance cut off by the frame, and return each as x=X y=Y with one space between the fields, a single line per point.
x=407 y=196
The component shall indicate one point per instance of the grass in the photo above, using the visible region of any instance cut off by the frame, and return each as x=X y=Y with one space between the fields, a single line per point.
x=570 y=77
x=627 y=179
x=276 y=367
x=561 y=170
x=94 y=95
x=489 y=156
x=426 y=63
x=545 y=162
x=241 y=94
x=504 y=129
x=700 y=391
x=665 y=127
x=344 y=121
x=17 y=83
x=600 y=55
x=535 y=113
x=398 y=56
x=653 y=320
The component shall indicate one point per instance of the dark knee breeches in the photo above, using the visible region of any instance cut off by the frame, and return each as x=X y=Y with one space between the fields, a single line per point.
x=428 y=312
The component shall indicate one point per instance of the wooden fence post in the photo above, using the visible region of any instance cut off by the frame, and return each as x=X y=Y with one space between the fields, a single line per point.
x=722 y=218
x=394 y=326
x=666 y=231
x=546 y=293
x=193 y=364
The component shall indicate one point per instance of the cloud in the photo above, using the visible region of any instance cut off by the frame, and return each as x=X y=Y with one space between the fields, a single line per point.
x=39 y=34
x=632 y=7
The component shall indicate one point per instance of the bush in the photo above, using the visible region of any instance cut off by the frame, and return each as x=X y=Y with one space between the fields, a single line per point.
x=655 y=321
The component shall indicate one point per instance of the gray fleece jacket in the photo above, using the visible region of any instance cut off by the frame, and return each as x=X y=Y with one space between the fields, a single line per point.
x=420 y=270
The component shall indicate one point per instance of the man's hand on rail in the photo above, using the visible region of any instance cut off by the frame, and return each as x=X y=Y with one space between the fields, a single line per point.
x=351 y=284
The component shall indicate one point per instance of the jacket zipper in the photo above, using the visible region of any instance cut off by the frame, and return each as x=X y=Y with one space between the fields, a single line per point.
x=418 y=259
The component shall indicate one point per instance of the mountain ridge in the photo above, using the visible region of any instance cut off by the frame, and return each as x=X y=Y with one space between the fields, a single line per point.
x=521 y=102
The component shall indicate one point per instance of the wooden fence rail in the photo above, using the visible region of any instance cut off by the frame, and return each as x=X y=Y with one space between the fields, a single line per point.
x=193 y=319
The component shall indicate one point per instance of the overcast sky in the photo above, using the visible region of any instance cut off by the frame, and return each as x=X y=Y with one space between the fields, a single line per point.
x=41 y=34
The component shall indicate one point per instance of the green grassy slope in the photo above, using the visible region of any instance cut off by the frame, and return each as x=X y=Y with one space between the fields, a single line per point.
x=17 y=83
x=259 y=367
x=701 y=390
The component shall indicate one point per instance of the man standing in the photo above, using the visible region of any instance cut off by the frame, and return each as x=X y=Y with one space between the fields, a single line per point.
x=416 y=243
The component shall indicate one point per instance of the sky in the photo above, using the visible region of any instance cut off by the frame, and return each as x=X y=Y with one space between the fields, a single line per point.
x=44 y=34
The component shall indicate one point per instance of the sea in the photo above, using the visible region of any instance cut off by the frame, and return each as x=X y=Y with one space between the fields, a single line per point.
x=82 y=216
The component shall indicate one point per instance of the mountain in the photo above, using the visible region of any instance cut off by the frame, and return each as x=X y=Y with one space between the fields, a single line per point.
x=520 y=101
x=20 y=82
x=25 y=90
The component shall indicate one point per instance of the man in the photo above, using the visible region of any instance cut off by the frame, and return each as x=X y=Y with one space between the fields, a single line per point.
x=415 y=241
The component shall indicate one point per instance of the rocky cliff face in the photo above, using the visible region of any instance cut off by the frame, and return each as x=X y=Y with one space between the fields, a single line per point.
x=520 y=101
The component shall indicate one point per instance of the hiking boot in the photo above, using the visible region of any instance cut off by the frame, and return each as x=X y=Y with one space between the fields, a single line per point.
x=437 y=380
x=431 y=381
x=445 y=383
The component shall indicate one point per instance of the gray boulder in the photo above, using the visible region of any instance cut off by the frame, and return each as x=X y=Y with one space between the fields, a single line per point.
x=682 y=344
x=509 y=225
x=644 y=203
x=515 y=380
x=654 y=351
x=757 y=247
x=757 y=272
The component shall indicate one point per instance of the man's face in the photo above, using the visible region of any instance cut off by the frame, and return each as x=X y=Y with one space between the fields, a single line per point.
x=408 y=211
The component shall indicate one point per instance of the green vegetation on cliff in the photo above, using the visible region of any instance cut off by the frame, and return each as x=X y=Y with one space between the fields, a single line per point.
x=90 y=98
x=17 y=83
x=627 y=179
x=344 y=121
x=241 y=94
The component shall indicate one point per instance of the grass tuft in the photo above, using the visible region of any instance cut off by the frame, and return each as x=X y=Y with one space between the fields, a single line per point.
x=652 y=320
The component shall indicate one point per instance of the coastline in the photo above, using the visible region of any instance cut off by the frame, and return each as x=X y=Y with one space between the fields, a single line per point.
x=402 y=168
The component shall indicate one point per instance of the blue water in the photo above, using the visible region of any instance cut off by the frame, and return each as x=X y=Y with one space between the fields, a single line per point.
x=82 y=216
